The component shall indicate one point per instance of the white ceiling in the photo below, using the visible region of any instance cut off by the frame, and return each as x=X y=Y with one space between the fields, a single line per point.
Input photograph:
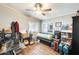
x=58 y=9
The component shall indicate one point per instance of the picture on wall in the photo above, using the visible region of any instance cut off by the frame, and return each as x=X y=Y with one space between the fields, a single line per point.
x=58 y=24
x=50 y=27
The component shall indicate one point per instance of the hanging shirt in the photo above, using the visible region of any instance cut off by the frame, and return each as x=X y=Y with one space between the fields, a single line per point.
x=17 y=26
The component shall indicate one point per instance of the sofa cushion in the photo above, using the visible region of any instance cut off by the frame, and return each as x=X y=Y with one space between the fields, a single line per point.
x=47 y=36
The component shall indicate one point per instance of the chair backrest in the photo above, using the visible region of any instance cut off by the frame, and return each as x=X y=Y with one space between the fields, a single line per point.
x=58 y=34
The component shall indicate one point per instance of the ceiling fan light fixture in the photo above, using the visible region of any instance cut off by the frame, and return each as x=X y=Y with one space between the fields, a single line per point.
x=38 y=12
x=38 y=6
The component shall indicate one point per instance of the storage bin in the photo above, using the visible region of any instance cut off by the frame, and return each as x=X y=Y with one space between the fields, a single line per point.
x=52 y=44
x=60 y=47
x=65 y=49
x=56 y=45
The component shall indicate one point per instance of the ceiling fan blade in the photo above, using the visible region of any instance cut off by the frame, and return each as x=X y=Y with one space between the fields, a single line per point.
x=43 y=14
x=29 y=10
x=47 y=9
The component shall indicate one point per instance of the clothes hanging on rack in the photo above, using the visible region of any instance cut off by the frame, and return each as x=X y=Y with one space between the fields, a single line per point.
x=13 y=27
x=17 y=26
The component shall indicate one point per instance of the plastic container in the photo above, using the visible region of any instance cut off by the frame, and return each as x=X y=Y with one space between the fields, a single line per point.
x=65 y=49
x=56 y=45
x=52 y=45
x=60 y=47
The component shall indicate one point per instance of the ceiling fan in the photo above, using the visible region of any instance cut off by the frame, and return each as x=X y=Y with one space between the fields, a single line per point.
x=39 y=7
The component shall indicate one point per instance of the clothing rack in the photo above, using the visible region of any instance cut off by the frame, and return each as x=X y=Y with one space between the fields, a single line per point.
x=11 y=42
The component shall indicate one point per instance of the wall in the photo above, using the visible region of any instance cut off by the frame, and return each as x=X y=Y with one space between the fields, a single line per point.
x=9 y=14
x=66 y=20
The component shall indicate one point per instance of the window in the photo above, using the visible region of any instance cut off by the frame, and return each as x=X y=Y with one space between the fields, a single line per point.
x=33 y=27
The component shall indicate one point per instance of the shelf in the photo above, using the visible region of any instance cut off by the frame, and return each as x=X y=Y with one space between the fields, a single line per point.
x=67 y=31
